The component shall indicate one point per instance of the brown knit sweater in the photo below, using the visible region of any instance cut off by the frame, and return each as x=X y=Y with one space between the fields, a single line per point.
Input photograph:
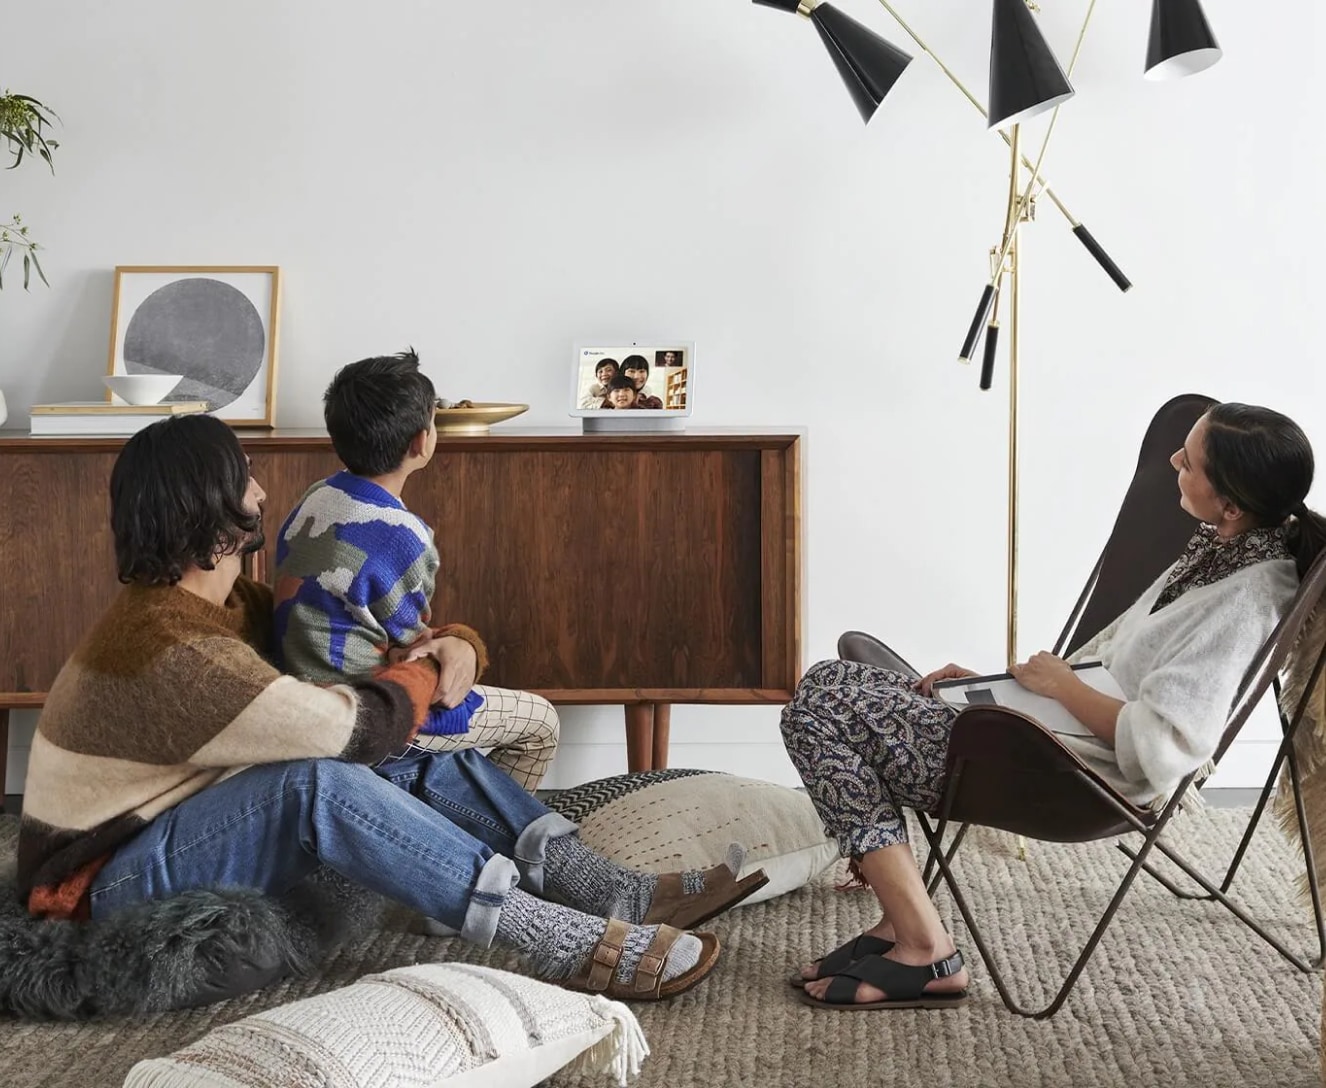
x=167 y=694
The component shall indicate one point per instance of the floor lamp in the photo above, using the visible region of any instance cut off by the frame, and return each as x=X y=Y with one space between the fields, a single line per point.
x=1026 y=80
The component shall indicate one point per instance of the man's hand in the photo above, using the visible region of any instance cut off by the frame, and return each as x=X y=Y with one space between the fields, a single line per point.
x=948 y=672
x=1044 y=674
x=459 y=665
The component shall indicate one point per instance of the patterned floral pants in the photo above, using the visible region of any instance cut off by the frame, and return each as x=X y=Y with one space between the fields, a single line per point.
x=866 y=745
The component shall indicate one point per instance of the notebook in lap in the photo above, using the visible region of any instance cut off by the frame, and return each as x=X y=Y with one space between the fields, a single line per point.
x=1002 y=690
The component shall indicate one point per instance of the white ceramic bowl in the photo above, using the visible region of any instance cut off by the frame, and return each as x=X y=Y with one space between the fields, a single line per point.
x=142 y=388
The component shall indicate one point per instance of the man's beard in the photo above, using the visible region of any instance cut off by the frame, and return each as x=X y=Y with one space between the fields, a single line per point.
x=256 y=541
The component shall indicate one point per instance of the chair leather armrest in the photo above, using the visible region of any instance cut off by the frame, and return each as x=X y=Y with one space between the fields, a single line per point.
x=867 y=649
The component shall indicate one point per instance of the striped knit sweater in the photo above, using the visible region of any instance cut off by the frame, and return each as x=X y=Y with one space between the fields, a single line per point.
x=355 y=574
x=167 y=694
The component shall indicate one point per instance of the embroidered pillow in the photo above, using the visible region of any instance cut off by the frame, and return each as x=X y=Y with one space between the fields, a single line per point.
x=684 y=819
x=428 y=1026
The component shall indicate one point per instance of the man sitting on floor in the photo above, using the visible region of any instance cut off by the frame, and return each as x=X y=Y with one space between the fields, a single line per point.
x=171 y=755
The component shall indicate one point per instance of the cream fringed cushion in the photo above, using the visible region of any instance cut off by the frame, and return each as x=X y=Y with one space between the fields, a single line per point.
x=428 y=1026
x=660 y=821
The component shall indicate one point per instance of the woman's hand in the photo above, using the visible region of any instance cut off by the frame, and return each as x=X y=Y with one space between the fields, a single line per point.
x=458 y=667
x=1044 y=674
x=948 y=672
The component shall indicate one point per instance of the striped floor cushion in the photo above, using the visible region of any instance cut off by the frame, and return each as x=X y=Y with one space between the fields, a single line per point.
x=427 y=1026
x=684 y=819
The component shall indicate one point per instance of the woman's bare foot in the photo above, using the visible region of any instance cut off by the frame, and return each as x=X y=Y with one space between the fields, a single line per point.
x=912 y=957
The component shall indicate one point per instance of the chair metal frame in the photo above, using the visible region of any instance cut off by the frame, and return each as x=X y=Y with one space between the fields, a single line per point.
x=1145 y=823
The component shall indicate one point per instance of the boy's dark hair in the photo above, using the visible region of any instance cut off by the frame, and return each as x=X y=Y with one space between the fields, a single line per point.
x=373 y=410
x=616 y=367
x=619 y=381
x=177 y=500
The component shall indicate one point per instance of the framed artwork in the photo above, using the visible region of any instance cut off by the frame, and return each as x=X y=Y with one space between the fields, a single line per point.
x=216 y=326
x=646 y=384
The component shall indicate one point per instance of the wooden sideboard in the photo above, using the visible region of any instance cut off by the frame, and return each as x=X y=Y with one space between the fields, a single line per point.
x=640 y=570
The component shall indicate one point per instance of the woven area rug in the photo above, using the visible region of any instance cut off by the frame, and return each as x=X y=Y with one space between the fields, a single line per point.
x=1178 y=994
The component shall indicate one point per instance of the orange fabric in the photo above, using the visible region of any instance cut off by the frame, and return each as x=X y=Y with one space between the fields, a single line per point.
x=71 y=898
x=285 y=588
x=419 y=679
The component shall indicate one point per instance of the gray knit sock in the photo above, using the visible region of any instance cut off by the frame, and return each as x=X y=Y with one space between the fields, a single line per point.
x=558 y=940
x=574 y=874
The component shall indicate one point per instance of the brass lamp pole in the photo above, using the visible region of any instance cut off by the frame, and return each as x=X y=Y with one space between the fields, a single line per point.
x=1006 y=265
x=1013 y=270
x=1025 y=80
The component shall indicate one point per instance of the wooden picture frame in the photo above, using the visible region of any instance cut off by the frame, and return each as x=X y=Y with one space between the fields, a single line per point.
x=217 y=325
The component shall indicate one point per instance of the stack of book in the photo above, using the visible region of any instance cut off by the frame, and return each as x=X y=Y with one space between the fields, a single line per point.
x=99 y=417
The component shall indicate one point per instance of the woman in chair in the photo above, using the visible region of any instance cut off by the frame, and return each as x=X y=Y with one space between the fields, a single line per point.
x=868 y=741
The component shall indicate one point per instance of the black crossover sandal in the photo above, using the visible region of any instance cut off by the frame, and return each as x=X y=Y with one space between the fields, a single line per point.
x=832 y=963
x=905 y=985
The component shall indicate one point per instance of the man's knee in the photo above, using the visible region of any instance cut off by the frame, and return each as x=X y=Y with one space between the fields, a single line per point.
x=331 y=775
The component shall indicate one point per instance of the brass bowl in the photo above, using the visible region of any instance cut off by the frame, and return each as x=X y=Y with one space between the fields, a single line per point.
x=475 y=420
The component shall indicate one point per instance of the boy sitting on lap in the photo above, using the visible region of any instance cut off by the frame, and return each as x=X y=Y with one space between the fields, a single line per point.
x=356 y=570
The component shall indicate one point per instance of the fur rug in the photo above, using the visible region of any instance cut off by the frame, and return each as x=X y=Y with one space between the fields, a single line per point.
x=192 y=950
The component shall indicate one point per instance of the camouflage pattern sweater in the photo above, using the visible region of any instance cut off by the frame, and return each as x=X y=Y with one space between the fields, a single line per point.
x=355 y=574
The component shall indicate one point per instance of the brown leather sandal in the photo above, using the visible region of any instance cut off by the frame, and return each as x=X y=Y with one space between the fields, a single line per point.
x=599 y=975
x=673 y=907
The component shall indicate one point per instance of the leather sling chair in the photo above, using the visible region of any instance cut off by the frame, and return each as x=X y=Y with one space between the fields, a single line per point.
x=1006 y=771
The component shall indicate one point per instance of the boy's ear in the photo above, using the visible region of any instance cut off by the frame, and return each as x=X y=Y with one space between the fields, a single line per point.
x=418 y=443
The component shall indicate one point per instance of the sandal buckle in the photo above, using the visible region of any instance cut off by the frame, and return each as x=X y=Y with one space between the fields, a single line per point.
x=945 y=968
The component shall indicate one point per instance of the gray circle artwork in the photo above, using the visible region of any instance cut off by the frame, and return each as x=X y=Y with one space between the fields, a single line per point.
x=204 y=329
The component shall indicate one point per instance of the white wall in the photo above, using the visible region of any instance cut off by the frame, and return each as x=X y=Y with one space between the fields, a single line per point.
x=490 y=181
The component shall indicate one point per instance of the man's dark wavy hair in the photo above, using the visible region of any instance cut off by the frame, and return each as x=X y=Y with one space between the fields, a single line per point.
x=177 y=500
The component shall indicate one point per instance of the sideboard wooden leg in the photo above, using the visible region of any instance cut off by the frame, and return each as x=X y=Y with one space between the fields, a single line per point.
x=662 y=727
x=639 y=737
x=4 y=754
x=256 y=566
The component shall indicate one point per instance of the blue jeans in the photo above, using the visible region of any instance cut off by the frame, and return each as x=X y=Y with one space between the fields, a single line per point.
x=445 y=833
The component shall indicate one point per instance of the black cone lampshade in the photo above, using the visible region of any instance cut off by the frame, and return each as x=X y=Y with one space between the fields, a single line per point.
x=868 y=65
x=1025 y=77
x=1181 y=42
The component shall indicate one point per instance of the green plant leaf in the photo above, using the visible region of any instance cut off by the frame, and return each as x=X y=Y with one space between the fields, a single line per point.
x=24 y=122
x=37 y=106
